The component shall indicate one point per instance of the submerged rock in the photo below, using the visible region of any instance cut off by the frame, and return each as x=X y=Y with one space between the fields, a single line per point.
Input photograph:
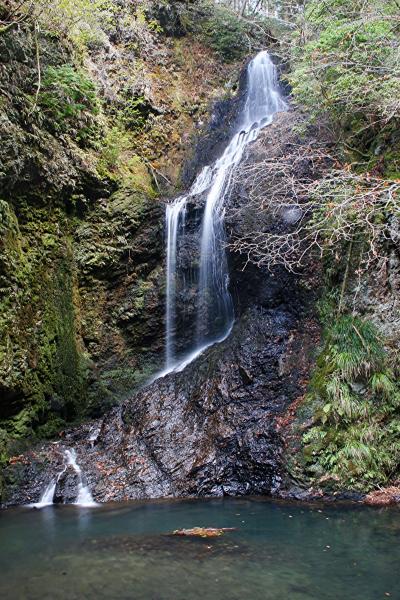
x=203 y=532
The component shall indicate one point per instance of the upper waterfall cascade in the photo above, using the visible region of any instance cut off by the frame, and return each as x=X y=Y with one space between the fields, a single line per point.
x=214 y=306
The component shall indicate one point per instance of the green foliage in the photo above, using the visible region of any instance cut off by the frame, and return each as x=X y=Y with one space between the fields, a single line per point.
x=116 y=143
x=227 y=34
x=51 y=427
x=354 y=440
x=79 y=20
x=230 y=35
x=68 y=99
x=135 y=112
x=115 y=385
x=349 y=65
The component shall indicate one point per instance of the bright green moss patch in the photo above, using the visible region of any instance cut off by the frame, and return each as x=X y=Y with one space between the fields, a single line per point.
x=41 y=365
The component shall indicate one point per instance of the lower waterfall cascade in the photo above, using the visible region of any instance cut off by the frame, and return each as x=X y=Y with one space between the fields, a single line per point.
x=214 y=305
x=84 y=497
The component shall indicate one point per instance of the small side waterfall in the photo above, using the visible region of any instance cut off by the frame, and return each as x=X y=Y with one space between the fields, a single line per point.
x=47 y=498
x=84 y=497
x=215 y=314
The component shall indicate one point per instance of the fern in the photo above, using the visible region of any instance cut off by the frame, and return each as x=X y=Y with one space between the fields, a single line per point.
x=355 y=436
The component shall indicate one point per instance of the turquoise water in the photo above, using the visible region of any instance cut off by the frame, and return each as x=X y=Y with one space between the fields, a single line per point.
x=279 y=551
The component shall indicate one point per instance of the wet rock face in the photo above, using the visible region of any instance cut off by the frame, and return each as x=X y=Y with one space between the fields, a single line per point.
x=66 y=488
x=213 y=139
x=213 y=429
x=208 y=431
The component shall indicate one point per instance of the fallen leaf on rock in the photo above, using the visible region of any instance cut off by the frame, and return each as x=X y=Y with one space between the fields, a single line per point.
x=384 y=497
x=18 y=459
x=204 y=532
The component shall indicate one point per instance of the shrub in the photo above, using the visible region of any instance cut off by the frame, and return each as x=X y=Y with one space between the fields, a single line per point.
x=349 y=65
x=227 y=34
x=116 y=142
x=222 y=29
x=354 y=439
x=136 y=111
x=69 y=102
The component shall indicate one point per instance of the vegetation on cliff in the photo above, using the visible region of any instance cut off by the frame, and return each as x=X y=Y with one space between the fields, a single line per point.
x=349 y=70
x=100 y=101
x=338 y=190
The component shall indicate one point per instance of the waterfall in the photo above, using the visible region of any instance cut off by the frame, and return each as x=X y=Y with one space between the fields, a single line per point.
x=175 y=218
x=84 y=497
x=215 y=314
x=47 y=497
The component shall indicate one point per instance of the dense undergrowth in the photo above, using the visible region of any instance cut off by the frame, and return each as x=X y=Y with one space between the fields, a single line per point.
x=346 y=63
x=355 y=399
x=346 y=71
x=340 y=177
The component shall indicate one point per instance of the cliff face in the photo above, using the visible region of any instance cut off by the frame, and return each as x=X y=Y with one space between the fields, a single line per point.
x=215 y=428
x=88 y=155
x=91 y=141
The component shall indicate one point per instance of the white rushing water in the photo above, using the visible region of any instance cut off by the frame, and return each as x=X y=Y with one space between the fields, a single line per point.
x=175 y=218
x=215 y=314
x=47 y=497
x=84 y=497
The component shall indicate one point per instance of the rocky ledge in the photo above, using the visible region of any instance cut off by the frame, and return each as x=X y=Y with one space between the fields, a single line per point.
x=210 y=430
x=213 y=429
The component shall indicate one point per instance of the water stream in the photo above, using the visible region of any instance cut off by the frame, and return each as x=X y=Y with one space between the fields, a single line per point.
x=84 y=496
x=215 y=314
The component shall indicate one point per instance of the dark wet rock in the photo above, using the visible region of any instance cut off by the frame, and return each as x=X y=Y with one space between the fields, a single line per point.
x=66 y=488
x=213 y=138
x=194 y=547
x=202 y=532
x=213 y=429
x=208 y=431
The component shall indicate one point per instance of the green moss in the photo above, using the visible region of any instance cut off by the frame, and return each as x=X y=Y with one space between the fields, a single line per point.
x=41 y=365
x=60 y=364
x=116 y=143
x=105 y=239
x=392 y=164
